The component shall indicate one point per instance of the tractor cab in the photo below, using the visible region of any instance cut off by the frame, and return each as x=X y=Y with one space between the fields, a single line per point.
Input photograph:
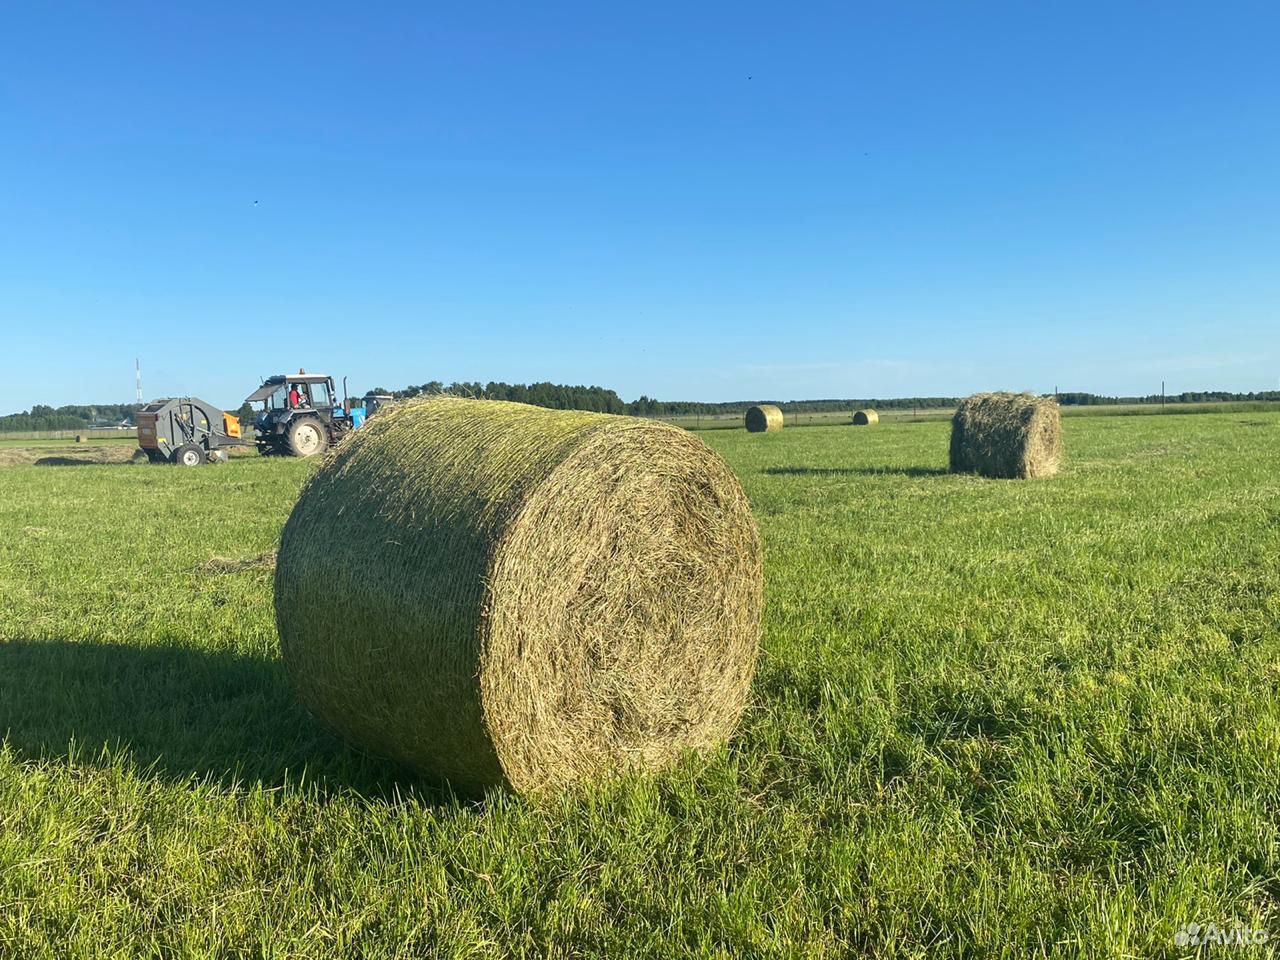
x=300 y=414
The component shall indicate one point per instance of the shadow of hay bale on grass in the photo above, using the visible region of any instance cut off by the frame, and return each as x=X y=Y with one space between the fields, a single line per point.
x=764 y=418
x=495 y=593
x=1006 y=436
x=180 y=713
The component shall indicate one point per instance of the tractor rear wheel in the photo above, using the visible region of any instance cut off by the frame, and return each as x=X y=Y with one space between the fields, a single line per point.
x=189 y=455
x=307 y=437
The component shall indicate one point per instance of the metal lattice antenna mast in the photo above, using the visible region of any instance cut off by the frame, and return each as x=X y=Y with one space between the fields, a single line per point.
x=137 y=370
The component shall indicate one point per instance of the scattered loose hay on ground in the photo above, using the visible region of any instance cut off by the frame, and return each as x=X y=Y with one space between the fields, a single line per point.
x=1006 y=435
x=764 y=418
x=494 y=593
x=262 y=561
x=865 y=418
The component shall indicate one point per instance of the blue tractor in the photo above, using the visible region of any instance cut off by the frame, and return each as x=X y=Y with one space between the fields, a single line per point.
x=301 y=415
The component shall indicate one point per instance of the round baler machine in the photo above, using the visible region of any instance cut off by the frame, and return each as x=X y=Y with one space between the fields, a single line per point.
x=186 y=431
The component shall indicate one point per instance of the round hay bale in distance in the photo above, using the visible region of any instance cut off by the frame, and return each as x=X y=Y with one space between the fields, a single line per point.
x=1006 y=435
x=498 y=594
x=864 y=418
x=763 y=418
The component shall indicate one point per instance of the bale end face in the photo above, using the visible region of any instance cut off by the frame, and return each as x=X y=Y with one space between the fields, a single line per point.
x=1006 y=436
x=763 y=418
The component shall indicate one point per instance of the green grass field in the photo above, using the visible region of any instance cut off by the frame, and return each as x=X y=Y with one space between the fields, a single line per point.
x=991 y=718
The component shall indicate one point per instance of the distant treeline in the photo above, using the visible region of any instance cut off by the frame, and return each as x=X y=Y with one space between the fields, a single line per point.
x=604 y=401
x=70 y=417
x=563 y=397
x=645 y=406
x=661 y=408
x=1189 y=396
x=557 y=396
x=560 y=396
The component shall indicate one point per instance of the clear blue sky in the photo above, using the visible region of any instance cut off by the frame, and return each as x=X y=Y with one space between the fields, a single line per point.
x=690 y=200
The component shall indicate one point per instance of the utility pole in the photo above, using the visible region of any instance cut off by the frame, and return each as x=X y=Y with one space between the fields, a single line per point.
x=137 y=372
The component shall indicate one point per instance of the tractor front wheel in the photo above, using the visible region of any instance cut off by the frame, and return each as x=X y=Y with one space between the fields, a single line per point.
x=307 y=437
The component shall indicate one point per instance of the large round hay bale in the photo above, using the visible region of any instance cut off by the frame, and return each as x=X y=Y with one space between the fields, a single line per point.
x=764 y=418
x=864 y=418
x=494 y=593
x=1006 y=435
